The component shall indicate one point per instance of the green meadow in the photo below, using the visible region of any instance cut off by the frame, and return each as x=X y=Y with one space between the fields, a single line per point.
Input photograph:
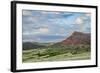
x=56 y=53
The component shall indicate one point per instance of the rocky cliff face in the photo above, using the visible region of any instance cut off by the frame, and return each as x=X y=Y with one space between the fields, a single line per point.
x=77 y=38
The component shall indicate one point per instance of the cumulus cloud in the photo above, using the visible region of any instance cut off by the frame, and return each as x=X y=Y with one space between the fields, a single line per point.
x=79 y=20
x=50 y=12
x=88 y=14
x=80 y=23
x=83 y=21
x=27 y=13
x=43 y=30
x=40 y=30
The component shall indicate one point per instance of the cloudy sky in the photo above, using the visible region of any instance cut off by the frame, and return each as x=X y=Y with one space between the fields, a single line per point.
x=50 y=26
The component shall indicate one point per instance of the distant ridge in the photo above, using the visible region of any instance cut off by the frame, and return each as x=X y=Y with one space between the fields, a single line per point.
x=77 y=38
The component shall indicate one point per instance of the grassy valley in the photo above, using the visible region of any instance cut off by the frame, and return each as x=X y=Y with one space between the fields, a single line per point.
x=57 y=53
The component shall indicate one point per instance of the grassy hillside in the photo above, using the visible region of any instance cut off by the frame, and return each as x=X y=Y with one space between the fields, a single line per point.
x=57 y=53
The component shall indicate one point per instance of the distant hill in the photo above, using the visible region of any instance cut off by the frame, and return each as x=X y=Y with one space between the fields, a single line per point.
x=31 y=45
x=77 y=38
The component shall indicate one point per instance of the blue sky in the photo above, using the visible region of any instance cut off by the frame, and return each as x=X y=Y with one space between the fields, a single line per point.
x=52 y=26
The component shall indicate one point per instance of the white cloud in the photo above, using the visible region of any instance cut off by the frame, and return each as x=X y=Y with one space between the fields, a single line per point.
x=88 y=14
x=79 y=20
x=46 y=12
x=59 y=34
x=27 y=33
x=32 y=19
x=43 y=30
x=27 y=12
x=33 y=30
